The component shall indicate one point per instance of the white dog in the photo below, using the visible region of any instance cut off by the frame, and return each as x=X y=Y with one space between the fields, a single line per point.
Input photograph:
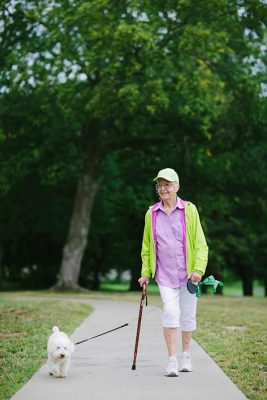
x=59 y=349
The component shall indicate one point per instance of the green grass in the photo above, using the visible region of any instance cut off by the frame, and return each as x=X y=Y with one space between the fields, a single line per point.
x=25 y=326
x=233 y=330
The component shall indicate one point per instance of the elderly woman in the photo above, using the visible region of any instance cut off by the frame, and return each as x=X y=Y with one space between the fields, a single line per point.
x=174 y=250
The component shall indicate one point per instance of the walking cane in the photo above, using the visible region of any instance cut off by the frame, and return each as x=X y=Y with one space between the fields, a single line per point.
x=143 y=297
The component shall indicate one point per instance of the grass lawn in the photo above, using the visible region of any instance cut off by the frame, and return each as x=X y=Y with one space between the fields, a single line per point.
x=233 y=330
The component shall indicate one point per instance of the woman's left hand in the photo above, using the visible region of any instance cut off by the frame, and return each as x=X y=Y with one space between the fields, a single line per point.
x=195 y=277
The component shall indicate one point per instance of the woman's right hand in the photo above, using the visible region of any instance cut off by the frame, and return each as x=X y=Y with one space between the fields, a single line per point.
x=142 y=280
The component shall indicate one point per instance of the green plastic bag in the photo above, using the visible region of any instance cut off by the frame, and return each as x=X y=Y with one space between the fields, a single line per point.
x=209 y=281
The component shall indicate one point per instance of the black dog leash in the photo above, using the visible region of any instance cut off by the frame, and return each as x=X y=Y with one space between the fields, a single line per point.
x=111 y=330
x=104 y=333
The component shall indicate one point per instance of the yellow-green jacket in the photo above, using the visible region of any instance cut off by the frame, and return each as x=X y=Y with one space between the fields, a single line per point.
x=195 y=246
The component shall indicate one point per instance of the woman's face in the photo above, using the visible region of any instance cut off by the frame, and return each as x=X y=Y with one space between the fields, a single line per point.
x=167 y=190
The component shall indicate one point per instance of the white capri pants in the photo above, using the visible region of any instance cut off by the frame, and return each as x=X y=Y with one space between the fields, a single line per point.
x=179 y=308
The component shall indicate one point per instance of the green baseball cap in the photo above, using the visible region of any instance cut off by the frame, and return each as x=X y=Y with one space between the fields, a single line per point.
x=169 y=174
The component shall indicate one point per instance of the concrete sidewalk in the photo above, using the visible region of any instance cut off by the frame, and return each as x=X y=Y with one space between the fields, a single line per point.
x=101 y=368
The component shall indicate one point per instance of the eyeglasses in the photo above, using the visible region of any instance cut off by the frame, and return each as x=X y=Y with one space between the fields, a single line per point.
x=165 y=186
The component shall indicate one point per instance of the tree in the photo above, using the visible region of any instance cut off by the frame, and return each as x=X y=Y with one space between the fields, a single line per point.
x=139 y=74
x=37 y=181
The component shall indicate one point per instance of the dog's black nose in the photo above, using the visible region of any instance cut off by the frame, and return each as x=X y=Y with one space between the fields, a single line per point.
x=62 y=355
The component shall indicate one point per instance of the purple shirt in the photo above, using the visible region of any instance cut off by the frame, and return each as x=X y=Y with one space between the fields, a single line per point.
x=171 y=266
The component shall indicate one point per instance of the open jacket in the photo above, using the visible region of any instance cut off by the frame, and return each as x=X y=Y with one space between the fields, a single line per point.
x=195 y=246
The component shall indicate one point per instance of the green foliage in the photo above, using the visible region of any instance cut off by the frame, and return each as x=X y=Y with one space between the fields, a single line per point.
x=132 y=87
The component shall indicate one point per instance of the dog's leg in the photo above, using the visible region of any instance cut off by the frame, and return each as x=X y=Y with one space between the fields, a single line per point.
x=64 y=368
x=55 y=371
x=54 y=368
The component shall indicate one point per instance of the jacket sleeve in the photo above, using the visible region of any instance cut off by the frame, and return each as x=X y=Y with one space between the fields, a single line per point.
x=201 y=248
x=145 y=252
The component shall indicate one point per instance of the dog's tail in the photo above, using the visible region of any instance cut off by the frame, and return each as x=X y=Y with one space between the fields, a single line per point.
x=55 y=329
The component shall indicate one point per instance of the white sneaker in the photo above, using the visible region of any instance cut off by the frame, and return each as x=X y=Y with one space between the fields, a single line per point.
x=172 y=367
x=185 y=363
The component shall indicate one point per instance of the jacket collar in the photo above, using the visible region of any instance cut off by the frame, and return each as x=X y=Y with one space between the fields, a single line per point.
x=159 y=205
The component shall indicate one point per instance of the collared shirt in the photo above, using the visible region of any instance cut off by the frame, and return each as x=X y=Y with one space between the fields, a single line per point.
x=171 y=266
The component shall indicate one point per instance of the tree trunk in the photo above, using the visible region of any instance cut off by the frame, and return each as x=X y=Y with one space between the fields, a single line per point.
x=96 y=279
x=265 y=287
x=219 y=290
x=1 y=266
x=74 y=248
x=135 y=275
x=247 y=285
x=1 y=256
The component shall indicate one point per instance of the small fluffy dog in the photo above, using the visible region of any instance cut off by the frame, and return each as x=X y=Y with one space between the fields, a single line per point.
x=59 y=349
